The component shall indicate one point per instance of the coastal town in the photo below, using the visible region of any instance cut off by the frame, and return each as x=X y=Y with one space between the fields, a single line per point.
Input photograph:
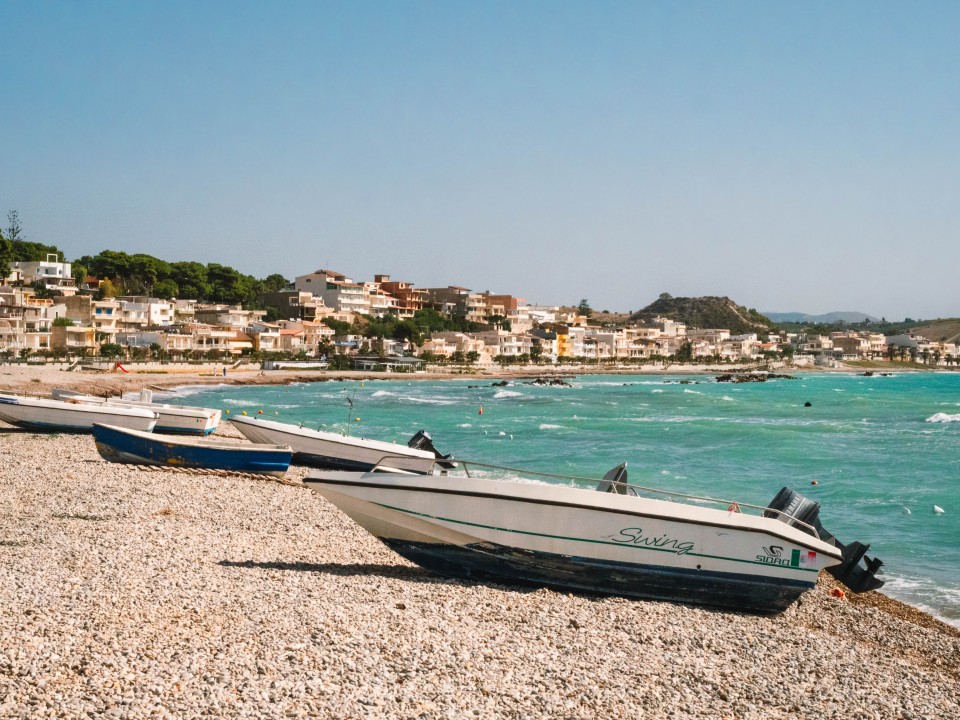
x=324 y=318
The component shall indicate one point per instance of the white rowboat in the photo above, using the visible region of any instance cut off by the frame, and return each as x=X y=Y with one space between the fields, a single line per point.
x=323 y=449
x=69 y=415
x=180 y=419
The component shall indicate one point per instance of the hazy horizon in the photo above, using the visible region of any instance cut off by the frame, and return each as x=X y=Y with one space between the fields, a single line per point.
x=787 y=156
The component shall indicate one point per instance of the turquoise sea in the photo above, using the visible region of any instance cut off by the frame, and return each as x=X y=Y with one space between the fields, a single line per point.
x=884 y=450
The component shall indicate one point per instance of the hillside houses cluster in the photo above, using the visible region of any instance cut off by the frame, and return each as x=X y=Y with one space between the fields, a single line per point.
x=74 y=323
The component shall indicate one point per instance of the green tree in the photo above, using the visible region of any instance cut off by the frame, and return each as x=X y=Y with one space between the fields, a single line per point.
x=14 y=230
x=584 y=308
x=408 y=330
x=339 y=362
x=684 y=352
x=473 y=357
x=62 y=322
x=6 y=256
x=339 y=327
x=191 y=279
x=228 y=285
x=166 y=289
x=111 y=350
x=272 y=283
x=79 y=271
x=109 y=289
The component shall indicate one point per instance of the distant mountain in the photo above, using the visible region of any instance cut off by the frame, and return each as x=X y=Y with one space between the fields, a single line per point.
x=826 y=319
x=705 y=312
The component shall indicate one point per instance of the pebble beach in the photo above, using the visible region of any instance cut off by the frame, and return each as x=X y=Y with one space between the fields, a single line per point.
x=128 y=592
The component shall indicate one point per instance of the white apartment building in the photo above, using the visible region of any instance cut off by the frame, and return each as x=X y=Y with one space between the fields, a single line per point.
x=338 y=291
x=50 y=272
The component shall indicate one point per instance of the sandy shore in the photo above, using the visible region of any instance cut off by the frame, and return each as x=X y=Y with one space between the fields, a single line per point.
x=133 y=593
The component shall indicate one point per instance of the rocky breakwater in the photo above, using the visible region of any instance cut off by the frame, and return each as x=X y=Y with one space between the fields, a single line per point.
x=133 y=593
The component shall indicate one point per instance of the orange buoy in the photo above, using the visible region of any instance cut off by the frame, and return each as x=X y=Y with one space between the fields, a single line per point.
x=259 y=412
x=814 y=482
x=734 y=507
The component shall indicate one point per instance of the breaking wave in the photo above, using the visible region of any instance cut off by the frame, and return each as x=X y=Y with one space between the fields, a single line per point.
x=943 y=418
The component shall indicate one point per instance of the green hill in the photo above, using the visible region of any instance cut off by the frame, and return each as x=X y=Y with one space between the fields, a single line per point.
x=705 y=312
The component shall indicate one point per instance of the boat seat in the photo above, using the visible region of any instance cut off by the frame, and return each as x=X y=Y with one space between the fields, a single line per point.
x=615 y=481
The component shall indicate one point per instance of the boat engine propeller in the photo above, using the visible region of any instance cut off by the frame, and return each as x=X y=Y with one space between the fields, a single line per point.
x=790 y=506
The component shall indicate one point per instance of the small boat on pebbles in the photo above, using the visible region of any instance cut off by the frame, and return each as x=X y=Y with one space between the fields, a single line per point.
x=184 y=419
x=69 y=415
x=319 y=448
x=498 y=524
x=118 y=444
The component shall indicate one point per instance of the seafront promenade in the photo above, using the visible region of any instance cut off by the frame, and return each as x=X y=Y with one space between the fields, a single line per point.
x=134 y=593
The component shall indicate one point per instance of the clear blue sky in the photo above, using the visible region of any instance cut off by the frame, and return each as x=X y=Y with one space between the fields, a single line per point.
x=793 y=156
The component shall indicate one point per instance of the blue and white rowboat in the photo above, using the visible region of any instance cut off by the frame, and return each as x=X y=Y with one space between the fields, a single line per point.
x=143 y=448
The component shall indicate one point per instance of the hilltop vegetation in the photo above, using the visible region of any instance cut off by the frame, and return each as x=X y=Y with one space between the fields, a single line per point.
x=705 y=312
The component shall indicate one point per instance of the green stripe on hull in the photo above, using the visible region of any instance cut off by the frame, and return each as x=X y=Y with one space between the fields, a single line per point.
x=596 y=542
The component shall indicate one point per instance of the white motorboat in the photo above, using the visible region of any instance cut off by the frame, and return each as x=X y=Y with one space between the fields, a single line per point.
x=629 y=541
x=324 y=449
x=180 y=419
x=71 y=415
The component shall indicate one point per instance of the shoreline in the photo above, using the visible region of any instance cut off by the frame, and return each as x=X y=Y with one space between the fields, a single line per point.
x=33 y=379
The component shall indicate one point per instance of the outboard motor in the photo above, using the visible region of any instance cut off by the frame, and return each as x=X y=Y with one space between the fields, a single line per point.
x=422 y=441
x=790 y=506
x=615 y=481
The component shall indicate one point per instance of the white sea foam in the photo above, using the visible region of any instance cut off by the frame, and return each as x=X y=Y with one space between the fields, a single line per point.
x=465 y=425
x=501 y=394
x=548 y=426
x=187 y=390
x=657 y=391
x=943 y=418
x=692 y=392
x=727 y=398
x=382 y=393
x=429 y=400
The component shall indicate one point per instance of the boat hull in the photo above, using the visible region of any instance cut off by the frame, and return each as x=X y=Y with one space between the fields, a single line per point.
x=316 y=448
x=179 y=420
x=567 y=538
x=489 y=562
x=68 y=416
x=120 y=445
